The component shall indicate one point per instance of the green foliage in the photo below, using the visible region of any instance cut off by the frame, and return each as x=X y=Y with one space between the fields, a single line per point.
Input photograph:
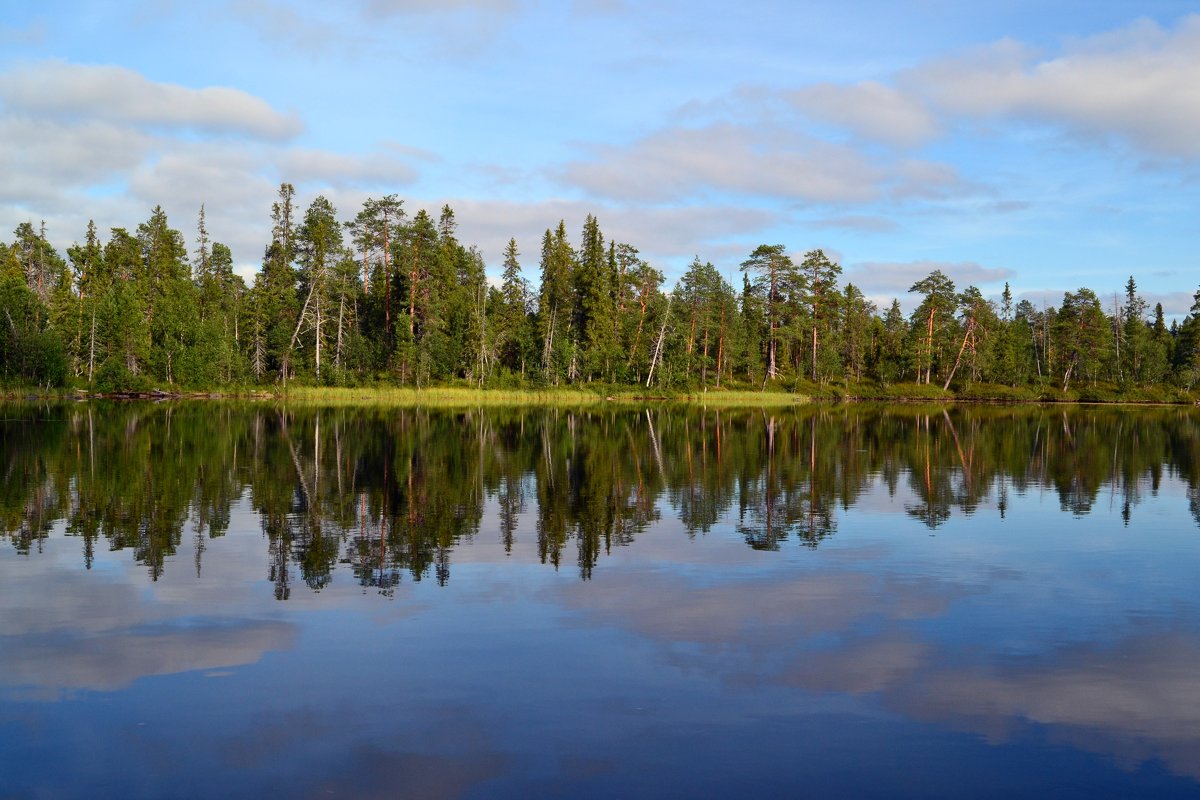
x=934 y=328
x=385 y=298
x=114 y=376
x=30 y=351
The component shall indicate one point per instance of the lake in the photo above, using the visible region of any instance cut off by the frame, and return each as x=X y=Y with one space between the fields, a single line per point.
x=237 y=600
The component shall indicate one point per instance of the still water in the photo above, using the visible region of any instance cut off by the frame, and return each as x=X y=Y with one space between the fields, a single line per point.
x=223 y=600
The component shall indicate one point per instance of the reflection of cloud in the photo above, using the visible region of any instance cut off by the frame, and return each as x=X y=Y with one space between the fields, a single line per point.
x=850 y=632
x=374 y=772
x=446 y=752
x=740 y=613
x=1137 y=700
x=862 y=666
x=119 y=657
x=91 y=633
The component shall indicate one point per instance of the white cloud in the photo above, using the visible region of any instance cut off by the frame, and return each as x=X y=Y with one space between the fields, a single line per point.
x=73 y=154
x=680 y=162
x=589 y=7
x=387 y=8
x=65 y=91
x=1173 y=303
x=33 y=33
x=227 y=179
x=291 y=30
x=856 y=222
x=1049 y=298
x=1137 y=84
x=892 y=278
x=336 y=169
x=659 y=233
x=915 y=179
x=41 y=156
x=871 y=110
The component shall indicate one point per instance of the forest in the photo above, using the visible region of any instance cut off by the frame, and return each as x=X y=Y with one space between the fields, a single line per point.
x=393 y=299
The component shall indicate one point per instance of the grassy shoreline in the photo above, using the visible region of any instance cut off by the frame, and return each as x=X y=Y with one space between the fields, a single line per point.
x=466 y=396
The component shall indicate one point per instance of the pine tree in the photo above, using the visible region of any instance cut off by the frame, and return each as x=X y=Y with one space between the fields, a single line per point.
x=775 y=279
x=933 y=322
x=375 y=232
x=980 y=326
x=319 y=250
x=1081 y=333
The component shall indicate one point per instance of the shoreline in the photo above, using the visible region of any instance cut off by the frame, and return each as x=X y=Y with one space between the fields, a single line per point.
x=578 y=396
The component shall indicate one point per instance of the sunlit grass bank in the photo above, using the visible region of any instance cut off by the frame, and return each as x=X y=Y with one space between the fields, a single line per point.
x=792 y=394
x=462 y=396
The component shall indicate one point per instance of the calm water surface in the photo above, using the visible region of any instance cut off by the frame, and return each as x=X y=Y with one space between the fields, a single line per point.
x=203 y=600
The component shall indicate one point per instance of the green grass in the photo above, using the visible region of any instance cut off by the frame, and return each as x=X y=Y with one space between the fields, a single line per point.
x=577 y=396
x=439 y=396
x=794 y=393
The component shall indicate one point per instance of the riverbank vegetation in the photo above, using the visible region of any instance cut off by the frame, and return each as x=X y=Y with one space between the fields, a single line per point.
x=394 y=303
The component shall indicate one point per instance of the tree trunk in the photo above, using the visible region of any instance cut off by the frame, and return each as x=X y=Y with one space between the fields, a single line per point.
x=950 y=377
x=92 y=347
x=318 y=342
x=658 y=347
x=814 y=352
x=929 y=347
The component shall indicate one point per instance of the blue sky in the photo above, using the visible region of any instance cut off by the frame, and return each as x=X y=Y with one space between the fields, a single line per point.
x=1053 y=145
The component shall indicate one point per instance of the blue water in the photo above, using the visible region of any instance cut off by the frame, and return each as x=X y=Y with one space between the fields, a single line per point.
x=1042 y=652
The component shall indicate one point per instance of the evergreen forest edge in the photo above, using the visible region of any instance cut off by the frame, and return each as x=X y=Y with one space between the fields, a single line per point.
x=389 y=300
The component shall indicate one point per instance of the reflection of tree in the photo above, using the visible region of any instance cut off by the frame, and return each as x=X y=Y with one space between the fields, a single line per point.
x=796 y=491
x=392 y=493
x=596 y=482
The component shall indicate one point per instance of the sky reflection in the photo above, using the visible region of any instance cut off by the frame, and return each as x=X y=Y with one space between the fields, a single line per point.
x=584 y=620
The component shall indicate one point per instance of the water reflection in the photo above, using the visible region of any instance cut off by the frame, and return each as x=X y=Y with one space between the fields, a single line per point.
x=391 y=493
x=750 y=581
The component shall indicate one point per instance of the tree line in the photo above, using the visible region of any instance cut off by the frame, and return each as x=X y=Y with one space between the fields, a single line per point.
x=391 y=298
